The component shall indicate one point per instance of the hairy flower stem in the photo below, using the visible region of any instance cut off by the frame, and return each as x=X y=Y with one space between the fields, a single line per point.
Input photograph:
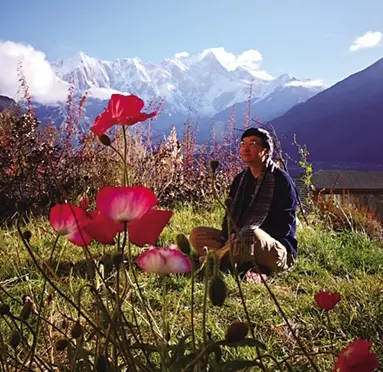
x=33 y=348
x=111 y=327
x=54 y=286
x=14 y=320
x=330 y=331
x=126 y=176
x=164 y=308
x=135 y=283
x=273 y=297
x=192 y=306
x=204 y=309
x=236 y=276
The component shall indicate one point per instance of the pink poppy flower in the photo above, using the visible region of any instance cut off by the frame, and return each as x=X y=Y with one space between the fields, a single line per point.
x=164 y=261
x=121 y=110
x=125 y=204
x=66 y=220
x=147 y=229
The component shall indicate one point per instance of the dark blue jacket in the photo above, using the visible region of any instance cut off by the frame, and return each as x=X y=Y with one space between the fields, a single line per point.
x=280 y=222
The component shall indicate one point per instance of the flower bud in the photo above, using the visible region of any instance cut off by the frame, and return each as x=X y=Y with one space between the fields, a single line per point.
x=217 y=290
x=64 y=324
x=214 y=165
x=61 y=344
x=28 y=308
x=77 y=330
x=27 y=235
x=237 y=331
x=4 y=309
x=49 y=298
x=15 y=339
x=105 y=140
x=183 y=244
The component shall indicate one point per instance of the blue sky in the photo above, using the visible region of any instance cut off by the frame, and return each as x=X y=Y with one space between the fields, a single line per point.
x=307 y=38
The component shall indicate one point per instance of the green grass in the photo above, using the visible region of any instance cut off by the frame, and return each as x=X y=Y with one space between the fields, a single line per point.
x=349 y=263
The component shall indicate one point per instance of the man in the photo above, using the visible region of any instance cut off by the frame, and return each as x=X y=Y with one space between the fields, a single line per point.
x=263 y=210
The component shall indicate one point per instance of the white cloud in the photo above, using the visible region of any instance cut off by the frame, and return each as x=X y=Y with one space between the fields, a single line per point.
x=182 y=55
x=44 y=86
x=250 y=58
x=305 y=83
x=369 y=40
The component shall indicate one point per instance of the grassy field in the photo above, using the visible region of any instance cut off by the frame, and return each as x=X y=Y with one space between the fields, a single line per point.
x=349 y=263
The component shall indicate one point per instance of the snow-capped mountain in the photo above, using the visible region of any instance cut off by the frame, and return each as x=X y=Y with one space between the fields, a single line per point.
x=202 y=85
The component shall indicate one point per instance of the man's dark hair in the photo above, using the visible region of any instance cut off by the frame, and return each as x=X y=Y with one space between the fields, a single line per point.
x=263 y=134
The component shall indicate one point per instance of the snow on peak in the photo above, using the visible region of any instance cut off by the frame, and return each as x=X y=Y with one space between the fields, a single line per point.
x=206 y=82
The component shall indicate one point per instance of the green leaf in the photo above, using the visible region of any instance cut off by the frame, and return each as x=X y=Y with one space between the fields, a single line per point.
x=245 y=342
x=182 y=362
x=237 y=365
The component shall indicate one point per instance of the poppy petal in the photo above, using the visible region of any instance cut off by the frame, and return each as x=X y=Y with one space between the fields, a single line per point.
x=144 y=116
x=102 y=123
x=176 y=261
x=151 y=261
x=102 y=229
x=125 y=204
x=66 y=219
x=124 y=107
x=147 y=229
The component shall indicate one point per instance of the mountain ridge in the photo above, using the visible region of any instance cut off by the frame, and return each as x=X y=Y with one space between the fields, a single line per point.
x=341 y=125
x=203 y=84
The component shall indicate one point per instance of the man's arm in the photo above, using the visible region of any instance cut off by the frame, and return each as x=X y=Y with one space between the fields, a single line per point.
x=286 y=205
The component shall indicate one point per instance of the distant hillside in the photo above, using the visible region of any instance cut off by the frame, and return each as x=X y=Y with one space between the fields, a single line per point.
x=341 y=125
x=6 y=102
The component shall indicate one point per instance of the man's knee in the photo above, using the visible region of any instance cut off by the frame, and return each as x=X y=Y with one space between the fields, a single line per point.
x=194 y=236
x=272 y=255
x=203 y=236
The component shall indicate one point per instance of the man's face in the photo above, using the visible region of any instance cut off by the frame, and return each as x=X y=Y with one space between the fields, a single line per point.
x=252 y=151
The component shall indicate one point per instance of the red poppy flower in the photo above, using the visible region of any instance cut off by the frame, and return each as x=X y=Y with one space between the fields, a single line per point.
x=356 y=357
x=121 y=110
x=116 y=205
x=147 y=229
x=327 y=300
x=66 y=220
